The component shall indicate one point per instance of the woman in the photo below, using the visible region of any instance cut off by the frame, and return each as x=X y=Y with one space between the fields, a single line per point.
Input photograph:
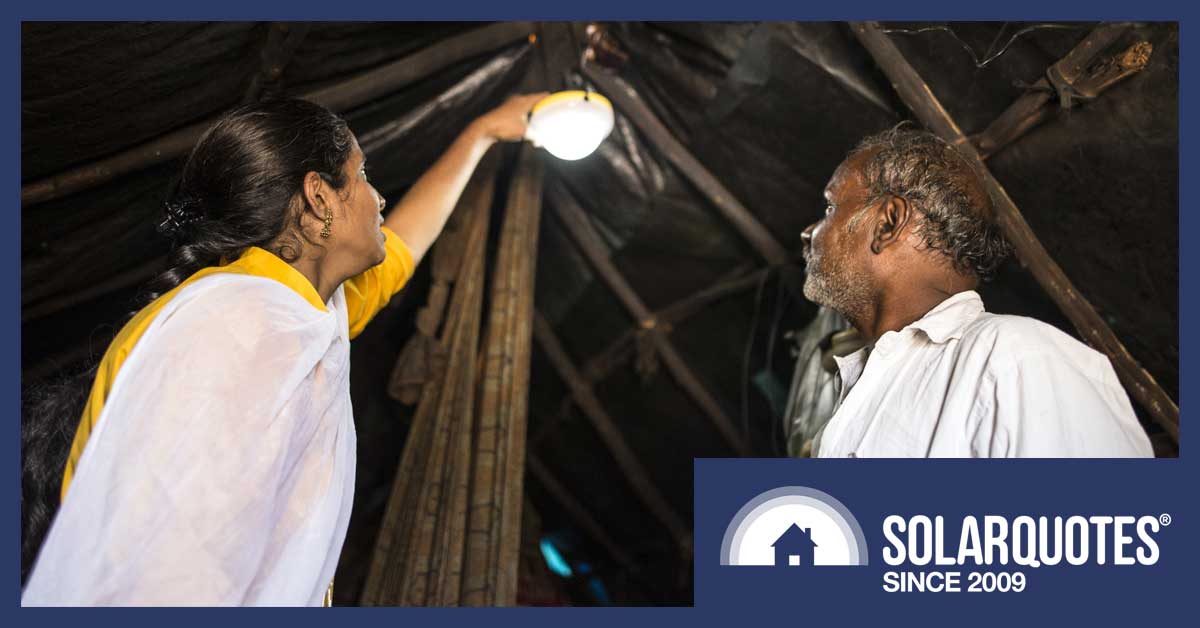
x=214 y=462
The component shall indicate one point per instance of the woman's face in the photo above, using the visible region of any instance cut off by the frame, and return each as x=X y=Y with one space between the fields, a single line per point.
x=356 y=233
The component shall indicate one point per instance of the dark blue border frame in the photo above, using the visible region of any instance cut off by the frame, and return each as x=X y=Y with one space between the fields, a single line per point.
x=1176 y=474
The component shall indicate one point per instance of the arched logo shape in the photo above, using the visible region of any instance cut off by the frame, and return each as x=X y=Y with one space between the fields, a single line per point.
x=794 y=526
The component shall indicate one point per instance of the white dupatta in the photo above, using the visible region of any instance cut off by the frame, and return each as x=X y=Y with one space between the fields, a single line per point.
x=221 y=470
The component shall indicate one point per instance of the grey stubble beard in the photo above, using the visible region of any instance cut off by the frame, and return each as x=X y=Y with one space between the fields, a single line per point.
x=831 y=282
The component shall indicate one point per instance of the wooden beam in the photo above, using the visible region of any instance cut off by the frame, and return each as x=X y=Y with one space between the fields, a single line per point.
x=740 y=279
x=339 y=97
x=631 y=105
x=283 y=38
x=921 y=100
x=124 y=279
x=576 y=223
x=580 y=515
x=619 y=350
x=1039 y=103
x=637 y=476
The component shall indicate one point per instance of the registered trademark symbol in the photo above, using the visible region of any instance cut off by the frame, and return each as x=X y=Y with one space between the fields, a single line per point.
x=1164 y=519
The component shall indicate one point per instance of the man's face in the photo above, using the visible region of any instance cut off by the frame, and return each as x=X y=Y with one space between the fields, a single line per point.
x=836 y=249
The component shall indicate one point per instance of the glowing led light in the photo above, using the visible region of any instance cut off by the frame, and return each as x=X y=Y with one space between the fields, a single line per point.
x=571 y=125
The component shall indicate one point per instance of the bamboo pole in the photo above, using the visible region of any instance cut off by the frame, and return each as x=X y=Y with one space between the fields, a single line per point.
x=921 y=100
x=418 y=550
x=493 y=533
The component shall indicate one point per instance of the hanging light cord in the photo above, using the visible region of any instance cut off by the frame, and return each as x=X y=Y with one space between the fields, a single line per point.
x=758 y=295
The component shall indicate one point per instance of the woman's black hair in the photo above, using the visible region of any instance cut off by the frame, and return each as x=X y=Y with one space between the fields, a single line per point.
x=50 y=412
x=240 y=187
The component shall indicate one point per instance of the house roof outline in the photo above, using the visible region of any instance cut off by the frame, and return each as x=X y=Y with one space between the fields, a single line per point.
x=795 y=534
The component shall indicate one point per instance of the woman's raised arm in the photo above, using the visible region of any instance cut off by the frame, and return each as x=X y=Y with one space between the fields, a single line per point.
x=420 y=215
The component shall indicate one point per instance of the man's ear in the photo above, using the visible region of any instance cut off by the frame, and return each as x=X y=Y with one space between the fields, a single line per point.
x=892 y=219
x=316 y=196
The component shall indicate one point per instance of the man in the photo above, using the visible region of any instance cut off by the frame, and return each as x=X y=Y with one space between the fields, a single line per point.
x=909 y=231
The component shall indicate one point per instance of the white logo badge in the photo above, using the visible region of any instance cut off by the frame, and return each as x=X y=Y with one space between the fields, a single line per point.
x=794 y=526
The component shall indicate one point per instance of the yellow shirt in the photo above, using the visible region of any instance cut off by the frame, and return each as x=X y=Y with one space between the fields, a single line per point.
x=366 y=295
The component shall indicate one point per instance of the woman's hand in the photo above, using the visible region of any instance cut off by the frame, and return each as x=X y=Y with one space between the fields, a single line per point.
x=419 y=217
x=507 y=122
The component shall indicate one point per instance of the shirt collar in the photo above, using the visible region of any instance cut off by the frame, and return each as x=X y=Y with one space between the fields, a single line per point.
x=262 y=263
x=949 y=319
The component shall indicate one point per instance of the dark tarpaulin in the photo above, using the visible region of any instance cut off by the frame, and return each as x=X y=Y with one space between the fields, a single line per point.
x=89 y=89
x=1098 y=184
x=332 y=51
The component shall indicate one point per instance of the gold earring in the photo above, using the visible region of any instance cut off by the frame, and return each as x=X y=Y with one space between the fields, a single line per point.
x=328 y=222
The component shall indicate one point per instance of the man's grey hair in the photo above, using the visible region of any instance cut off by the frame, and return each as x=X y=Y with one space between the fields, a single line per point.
x=957 y=216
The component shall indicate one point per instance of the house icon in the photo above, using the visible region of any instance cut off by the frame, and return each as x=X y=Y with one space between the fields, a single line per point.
x=795 y=543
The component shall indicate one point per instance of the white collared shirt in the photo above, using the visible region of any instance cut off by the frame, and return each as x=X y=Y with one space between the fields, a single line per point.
x=961 y=382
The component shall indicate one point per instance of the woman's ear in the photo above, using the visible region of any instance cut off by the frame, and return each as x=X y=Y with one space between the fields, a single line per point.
x=894 y=215
x=317 y=196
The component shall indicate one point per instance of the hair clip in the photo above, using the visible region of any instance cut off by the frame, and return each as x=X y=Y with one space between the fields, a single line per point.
x=180 y=215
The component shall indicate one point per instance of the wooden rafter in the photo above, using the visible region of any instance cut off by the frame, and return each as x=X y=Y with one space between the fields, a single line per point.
x=578 y=512
x=738 y=280
x=619 y=350
x=123 y=279
x=631 y=105
x=1075 y=74
x=636 y=474
x=577 y=225
x=338 y=97
x=283 y=38
x=921 y=100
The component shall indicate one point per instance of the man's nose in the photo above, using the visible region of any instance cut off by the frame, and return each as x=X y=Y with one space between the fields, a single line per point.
x=806 y=235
